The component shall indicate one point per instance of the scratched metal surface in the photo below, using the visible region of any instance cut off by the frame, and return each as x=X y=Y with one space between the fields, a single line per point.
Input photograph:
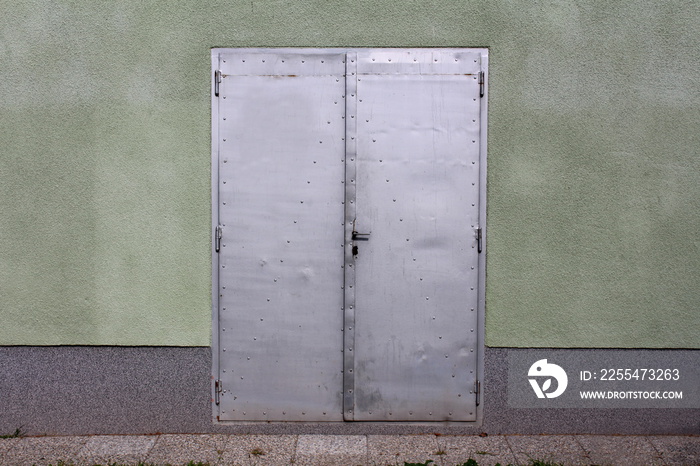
x=416 y=275
x=281 y=171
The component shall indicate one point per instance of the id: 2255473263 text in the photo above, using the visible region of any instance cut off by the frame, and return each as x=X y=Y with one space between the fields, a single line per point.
x=631 y=374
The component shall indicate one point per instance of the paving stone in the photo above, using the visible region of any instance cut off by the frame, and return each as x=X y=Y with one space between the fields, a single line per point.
x=7 y=443
x=179 y=449
x=677 y=449
x=395 y=450
x=607 y=450
x=350 y=450
x=485 y=450
x=105 y=449
x=557 y=449
x=42 y=450
x=259 y=449
x=322 y=450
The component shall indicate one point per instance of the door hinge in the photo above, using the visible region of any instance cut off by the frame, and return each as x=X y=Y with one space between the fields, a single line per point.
x=218 y=233
x=477 y=391
x=479 y=240
x=481 y=84
x=217 y=391
x=217 y=81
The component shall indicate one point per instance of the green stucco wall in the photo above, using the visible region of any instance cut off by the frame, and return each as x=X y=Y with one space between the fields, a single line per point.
x=593 y=182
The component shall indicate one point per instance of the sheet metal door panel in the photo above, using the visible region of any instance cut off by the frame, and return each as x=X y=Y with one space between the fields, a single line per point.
x=281 y=172
x=411 y=341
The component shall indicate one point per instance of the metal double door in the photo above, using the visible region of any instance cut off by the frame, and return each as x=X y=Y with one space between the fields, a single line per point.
x=347 y=234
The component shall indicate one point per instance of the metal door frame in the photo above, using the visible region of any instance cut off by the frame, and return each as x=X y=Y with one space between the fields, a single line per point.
x=215 y=79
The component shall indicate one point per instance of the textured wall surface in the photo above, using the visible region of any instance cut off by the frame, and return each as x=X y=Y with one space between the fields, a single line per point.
x=117 y=390
x=594 y=174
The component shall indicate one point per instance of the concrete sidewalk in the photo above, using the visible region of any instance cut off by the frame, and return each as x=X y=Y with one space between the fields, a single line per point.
x=350 y=449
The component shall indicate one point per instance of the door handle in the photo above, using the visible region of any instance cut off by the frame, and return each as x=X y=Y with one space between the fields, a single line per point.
x=356 y=236
x=359 y=236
